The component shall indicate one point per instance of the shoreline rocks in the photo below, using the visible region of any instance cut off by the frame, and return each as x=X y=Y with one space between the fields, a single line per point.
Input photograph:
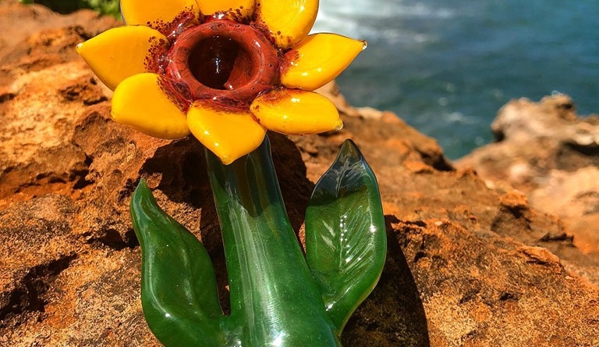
x=551 y=154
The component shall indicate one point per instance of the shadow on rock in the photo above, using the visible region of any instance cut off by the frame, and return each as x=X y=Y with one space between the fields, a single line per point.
x=179 y=171
x=393 y=315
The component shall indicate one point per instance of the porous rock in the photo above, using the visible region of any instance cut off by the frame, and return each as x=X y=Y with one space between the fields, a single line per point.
x=468 y=265
x=550 y=153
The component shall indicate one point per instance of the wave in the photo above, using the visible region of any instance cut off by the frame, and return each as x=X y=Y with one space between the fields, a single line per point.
x=376 y=20
x=383 y=9
x=358 y=29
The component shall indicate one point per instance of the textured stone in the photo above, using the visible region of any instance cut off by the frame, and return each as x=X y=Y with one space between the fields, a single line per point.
x=549 y=153
x=470 y=263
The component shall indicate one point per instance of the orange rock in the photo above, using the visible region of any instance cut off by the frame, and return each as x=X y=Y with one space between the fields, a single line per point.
x=468 y=264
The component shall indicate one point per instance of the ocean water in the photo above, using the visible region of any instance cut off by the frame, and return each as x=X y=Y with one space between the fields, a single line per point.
x=446 y=67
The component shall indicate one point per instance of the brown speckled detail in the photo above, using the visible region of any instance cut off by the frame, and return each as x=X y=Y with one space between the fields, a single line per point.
x=236 y=15
x=288 y=59
x=223 y=105
x=154 y=60
x=186 y=19
x=276 y=94
x=259 y=26
x=178 y=93
x=250 y=62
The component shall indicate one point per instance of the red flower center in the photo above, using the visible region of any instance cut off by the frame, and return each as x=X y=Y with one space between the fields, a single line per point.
x=224 y=61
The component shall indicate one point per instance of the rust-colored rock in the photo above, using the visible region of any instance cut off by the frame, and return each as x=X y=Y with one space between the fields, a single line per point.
x=469 y=264
x=548 y=152
x=534 y=138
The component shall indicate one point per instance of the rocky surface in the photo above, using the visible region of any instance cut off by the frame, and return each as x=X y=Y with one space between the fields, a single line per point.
x=551 y=154
x=470 y=263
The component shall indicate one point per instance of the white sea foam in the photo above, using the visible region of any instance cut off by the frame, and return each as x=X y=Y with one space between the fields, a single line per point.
x=360 y=28
x=376 y=19
x=382 y=9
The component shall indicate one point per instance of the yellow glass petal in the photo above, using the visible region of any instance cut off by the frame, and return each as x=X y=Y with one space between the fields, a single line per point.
x=120 y=52
x=140 y=102
x=318 y=59
x=153 y=12
x=289 y=21
x=296 y=112
x=239 y=9
x=228 y=134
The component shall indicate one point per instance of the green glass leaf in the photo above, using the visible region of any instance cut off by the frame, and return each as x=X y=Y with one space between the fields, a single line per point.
x=345 y=234
x=179 y=293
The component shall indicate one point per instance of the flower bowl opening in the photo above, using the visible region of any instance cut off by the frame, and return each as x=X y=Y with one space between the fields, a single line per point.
x=221 y=63
x=223 y=60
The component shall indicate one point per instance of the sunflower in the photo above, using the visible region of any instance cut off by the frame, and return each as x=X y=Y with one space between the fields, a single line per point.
x=226 y=71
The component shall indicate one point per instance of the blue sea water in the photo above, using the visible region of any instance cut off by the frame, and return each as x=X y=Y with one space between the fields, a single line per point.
x=446 y=67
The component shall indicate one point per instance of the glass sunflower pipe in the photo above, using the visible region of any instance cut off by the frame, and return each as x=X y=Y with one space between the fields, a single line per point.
x=227 y=71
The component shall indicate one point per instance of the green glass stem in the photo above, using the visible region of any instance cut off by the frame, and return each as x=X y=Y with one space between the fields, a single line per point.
x=278 y=297
x=275 y=300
